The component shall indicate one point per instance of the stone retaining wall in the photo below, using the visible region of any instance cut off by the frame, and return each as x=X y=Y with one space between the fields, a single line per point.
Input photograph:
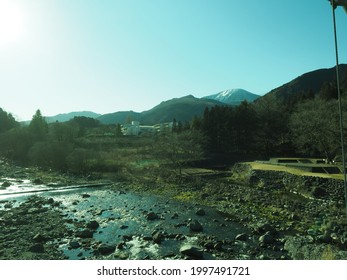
x=309 y=186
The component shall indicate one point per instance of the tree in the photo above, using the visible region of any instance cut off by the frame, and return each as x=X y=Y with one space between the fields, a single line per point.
x=83 y=124
x=245 y=125
x=218 y=126
x=273 y=131
x=7 y=121
x=118 y=131
x=15 y=143
x=180 y=149
x=62 y=132
x=38 y=127
x=328 y=91
x=196 y=123
x=315 y=128
x=50 y=154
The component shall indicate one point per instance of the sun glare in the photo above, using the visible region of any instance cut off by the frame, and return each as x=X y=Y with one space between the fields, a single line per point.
x=11 y=22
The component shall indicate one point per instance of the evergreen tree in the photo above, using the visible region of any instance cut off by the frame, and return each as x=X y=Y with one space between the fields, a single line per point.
x=272 y=137
x=118 y=130
x=245 y=124
x=7 y=121
x=38 y=127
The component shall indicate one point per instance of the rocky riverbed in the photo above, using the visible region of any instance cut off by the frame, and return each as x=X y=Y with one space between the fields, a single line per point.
x=204 y=219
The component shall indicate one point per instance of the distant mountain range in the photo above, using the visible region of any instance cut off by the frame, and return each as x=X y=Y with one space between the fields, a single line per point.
x=234 y=96
x=185 y=108
x=182 y=109
x=68 y=116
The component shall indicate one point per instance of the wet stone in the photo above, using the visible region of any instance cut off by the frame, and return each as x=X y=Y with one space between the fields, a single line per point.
x=8 y=205
x=93 y=225
x=127 y=237
x=50 y=200
x=192 y=251
x=120 y=245
x=121 y=255
x=85 y=234
x=151 y=216
x=157 y=237
x=6 y=184
x=74 y=244
x=105 y=249
x=195 y=225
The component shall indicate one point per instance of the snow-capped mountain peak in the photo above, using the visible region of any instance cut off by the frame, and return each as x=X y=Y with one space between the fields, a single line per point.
x=233 y=96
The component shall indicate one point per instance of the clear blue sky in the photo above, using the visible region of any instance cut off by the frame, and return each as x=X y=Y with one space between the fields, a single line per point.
x=112 y=55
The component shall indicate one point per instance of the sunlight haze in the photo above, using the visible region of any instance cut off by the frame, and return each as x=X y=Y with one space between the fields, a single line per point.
x=11 y=22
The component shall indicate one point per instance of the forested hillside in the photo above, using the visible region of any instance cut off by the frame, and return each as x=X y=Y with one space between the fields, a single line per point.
x=298 y=118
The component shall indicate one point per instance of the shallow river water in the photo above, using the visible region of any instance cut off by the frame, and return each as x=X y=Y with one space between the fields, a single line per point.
x=123 y=218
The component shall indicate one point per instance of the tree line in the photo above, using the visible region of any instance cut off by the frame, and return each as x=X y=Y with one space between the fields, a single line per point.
x=306 y=124
x=303 y=124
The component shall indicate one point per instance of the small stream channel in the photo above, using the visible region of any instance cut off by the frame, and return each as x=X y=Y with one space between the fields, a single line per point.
x=133 y=226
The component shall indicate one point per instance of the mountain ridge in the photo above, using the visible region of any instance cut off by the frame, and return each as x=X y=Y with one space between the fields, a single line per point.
x=233 y=96
x=64 y=117
x=185 y=108
x=182 y=109
x=309 y=81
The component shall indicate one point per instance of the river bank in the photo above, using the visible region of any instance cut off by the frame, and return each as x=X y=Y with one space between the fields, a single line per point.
x=202 y=217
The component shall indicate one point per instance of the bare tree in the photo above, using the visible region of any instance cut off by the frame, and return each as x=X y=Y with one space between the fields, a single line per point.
x=180 y=149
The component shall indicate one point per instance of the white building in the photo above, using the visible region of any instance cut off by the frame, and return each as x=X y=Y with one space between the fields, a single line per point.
x=136 y=129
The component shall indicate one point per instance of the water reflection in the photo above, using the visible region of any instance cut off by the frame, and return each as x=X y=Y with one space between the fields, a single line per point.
x=123 y=223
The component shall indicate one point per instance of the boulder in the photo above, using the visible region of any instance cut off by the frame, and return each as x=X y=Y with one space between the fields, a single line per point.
x=74 y=244
x=200 y=212
x=92 y=225
x=157 y=237
x=151 y=216
x=8 y=205
x=6 y=184
x=106 y=249
x=192 y=251
x=85 y=234
x=195 y=225
x=50 y=201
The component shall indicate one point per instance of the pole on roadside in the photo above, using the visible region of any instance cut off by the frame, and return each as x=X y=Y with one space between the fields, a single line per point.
x=334 y=4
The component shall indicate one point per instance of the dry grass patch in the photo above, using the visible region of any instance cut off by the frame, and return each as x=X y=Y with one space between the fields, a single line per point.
x=292 y=170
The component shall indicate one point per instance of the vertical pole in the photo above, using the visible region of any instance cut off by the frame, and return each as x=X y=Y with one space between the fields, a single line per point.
x=340 y=105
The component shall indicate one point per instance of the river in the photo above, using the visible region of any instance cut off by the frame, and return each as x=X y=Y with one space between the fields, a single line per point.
x=133 y=226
